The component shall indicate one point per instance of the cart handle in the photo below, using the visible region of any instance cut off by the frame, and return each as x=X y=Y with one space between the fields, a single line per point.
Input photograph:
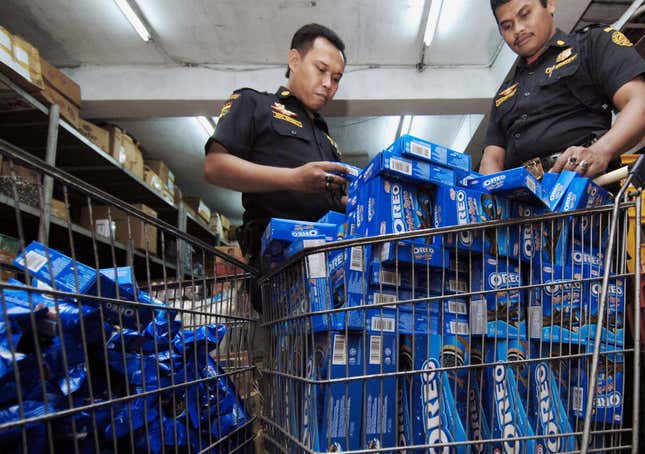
x=612 y=177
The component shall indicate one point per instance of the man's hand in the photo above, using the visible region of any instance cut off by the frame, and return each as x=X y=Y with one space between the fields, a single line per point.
x=315 y=177
x=583 y=160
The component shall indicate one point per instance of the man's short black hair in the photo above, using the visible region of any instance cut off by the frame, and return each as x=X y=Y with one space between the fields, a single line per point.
x=304 y=38
x=494 y=4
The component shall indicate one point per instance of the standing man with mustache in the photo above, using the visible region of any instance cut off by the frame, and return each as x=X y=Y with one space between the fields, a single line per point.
x=558 y=104
x=275 y=148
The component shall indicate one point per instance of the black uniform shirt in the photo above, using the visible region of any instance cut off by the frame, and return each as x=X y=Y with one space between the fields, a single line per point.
x=564 y=97
x=275 y=130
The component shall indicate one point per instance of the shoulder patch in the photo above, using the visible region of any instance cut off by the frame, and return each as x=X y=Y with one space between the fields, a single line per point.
x=621 y=40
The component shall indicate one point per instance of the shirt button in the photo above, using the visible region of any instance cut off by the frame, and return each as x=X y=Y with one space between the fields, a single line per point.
x=528 y=93
x=524 y=116
x=517 y=135
x=531 y=73
x=293 y=132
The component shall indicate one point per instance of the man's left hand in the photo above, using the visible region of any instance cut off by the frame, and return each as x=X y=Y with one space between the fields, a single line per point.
x=583 y=160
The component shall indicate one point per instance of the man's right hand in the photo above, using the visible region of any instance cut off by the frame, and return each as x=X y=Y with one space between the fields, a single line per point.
x=315 y=177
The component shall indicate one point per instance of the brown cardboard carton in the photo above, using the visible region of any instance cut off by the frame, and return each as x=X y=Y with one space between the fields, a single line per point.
x=11 y=68
x=135 y=161
x=119 y=226
x=59 y=210
x=28 y=59
x=27 y=174
x=153 y=180
x=99 y=136
x=60 y=82
x=68 y=110
x=199 y=207
x=160 y=168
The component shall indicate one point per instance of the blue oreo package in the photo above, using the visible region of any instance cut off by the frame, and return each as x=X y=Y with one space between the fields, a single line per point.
x=509 y=419
x=455 y=206
x=414 y=147
x=433 y=414
x=555 y=186
x=413 y=171
x=500 y=311
x=351 y=172
x=408 y=252
x=548 y=408
x=396 y=207
x=379 y=422
x=516 y=184
x=280 y=233
x=477 y=421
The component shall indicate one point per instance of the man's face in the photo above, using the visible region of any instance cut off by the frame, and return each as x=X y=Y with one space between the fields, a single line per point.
x=526 y=25
x=315 y=75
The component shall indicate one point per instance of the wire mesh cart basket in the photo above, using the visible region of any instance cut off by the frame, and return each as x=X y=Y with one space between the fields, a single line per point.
x=502 y=336
x=119 y=332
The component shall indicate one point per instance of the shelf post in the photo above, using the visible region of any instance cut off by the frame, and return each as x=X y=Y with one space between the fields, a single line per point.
x=48 y=182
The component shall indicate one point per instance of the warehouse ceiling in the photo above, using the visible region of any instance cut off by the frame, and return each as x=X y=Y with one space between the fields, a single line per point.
x=203 y=49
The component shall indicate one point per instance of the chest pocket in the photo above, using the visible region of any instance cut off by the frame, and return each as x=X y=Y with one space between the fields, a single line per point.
x=290 y=128
x=573 y=73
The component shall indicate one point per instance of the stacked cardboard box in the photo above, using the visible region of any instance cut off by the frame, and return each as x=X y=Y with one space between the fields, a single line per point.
x=198 y=207
x=165 y=177
x=20 y=61
x=144 y=236
x=126 y=151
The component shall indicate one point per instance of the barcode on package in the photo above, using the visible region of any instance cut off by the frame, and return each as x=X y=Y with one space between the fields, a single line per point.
x=478 y=317
x=376 y=343
x=459 y=328
x=457 y=307
x=382 y=324
x=356 y=258
x=382 y=298
x=401 y=166
x=457 y=286
x=390 y=278
x=535 y=322
x=420 y=150
x=34 y=261
x=339 y=356
x=577 y=398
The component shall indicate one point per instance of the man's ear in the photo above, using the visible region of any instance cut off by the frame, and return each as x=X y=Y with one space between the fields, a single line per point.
x=293 y=59
x=550 y=6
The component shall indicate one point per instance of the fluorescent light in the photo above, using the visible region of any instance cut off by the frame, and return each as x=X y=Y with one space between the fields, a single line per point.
x=134 y=20
x=433 y=20
x=207 y=125
x=406 y=124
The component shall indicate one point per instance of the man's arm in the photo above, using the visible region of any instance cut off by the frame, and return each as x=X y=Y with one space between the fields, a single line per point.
x=224 y=169
x=627 y=131
x=492 y=160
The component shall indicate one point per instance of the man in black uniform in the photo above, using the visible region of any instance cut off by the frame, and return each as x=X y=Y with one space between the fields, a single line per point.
x=276 y=148
x=557 y=106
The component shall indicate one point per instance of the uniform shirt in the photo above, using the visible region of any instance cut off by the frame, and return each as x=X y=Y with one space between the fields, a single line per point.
x=563 y=98
x=275 y=130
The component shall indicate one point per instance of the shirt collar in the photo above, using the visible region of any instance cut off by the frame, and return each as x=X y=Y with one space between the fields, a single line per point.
x=559 y=40
x=284 y=95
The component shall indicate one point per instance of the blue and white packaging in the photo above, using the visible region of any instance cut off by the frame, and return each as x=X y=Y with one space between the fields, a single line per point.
x=408 y=252
x=613 y=331
x=477 y=420
x=610 y=387
x=455 y=206
x=555 y=186
x=434 y=414
x=509 y=419
x=414 y=147
x=351 y=172
x=549 y=411
x=379 y=424
x=339 y=219
x=280 y=233
x=516 y=184
x=500 y=311
x=73 y=276
x=396 y=207
x=337 y=356
x=410 y=170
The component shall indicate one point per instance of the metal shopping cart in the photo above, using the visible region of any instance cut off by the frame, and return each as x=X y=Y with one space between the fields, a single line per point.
x=119 y=333
x=502 y=336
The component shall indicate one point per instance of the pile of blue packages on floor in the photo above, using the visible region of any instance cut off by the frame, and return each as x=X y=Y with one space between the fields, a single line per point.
x=85 y=342
x=531 y=285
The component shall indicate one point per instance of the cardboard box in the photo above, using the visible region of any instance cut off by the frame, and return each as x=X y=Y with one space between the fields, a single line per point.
x=280 y=233
x=199 y=208
x=30 y=176
x=99 y=136
x=10 y=67
x=28 y=59
x=125 y=150
x=61 y=82
x=153 y=180
x=119 y=226
x=135 y=163
x=68 y=111
x=59 y=210
x=414 y=147
x=516 y=184
x=160 y=168
x=222 y=267
x=405 y=169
